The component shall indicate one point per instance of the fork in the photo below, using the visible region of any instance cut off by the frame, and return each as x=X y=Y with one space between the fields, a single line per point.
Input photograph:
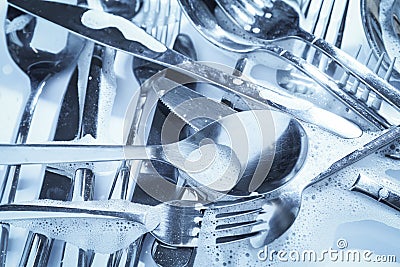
x=367 y=99
x=315 y=20
x=294 y=81
x=176 y=223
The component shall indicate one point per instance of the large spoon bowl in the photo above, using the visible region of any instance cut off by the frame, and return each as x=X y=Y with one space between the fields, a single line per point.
x=382 y=28
x=215 y=157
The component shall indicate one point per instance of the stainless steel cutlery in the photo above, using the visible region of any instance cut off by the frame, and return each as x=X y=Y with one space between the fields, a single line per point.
x=210 y=157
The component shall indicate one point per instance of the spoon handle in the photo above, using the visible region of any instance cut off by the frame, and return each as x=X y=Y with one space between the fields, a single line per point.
x=13 y=154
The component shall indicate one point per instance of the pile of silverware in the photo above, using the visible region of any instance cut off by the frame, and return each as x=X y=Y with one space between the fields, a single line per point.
x=156 y=157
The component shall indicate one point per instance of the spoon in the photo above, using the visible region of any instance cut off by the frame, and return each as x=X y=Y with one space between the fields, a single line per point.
x=40 y=66
x=381 y=25
x=264 y=141
x=234 y=37
x=215 y=26
x=218 y=165
x=277 y=20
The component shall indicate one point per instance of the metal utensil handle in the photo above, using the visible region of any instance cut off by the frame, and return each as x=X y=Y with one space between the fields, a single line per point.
x=13 y=154
x=369 y=148
x=377 y=190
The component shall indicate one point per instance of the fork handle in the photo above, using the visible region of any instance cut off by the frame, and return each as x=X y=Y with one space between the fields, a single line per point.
x=388 y=92
x=42 y=209
x=382 y=140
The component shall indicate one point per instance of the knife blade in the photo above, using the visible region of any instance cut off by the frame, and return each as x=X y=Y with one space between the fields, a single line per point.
x=193 y=108
x=121 y=34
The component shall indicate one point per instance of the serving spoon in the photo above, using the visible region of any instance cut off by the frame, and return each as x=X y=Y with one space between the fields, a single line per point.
x=215 y=26
x=217 y=164
x=270 y=21
x=381 y=23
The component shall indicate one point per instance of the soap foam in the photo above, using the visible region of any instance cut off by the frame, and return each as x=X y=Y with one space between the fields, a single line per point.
x=222 y=168
x=102 y=235
x=325 y=206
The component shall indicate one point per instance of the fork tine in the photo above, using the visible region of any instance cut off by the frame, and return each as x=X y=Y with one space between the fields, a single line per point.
x=253 y=7
x=315 y=22
x=331 y=68
x=354 y=88
x=377 y=102
x=317 y=56
x=236 y=238
x=390 y=69
x=365 y=94
x=339 y=34
x=237 y=233
x=235 y=221
x=238 y=206
x=307 y=49
x=379 y=63
x=328 y=20
x=306 y=8
x=238 y=218
x=346 y=76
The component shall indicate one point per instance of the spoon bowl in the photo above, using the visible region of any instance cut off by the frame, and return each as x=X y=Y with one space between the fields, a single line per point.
x=381 y=27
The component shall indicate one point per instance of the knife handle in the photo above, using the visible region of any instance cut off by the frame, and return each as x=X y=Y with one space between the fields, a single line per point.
x=384 y=190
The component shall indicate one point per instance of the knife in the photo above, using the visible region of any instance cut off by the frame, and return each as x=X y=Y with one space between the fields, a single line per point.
x=121 y=34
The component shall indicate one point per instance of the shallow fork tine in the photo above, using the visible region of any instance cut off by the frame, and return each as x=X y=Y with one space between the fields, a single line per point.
x=366 y=93
x=377 y=102
x=169 y=24
x=317 y=19
x=317 y=56
x=237 y=218
x=231 y=222
x=306 y=8
x=238 y=206
x=346 y=76
x=238 y=233
x=331 y=67
x=354 y=88
x=327 y=21
x=352 y=91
